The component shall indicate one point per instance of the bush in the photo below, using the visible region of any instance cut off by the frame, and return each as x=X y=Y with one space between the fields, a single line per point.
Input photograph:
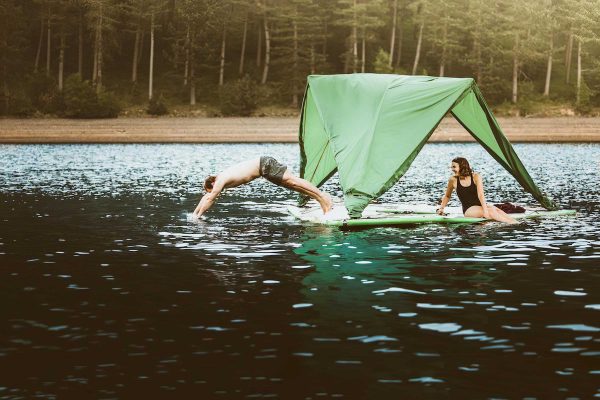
x=19 y=105
x=43 y=93
x=81 y=100
x=157 y=106
x=108 y=106
x=381 y=65
x=239 y=97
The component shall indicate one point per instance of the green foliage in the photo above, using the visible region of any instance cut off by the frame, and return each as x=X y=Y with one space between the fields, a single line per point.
x=381 y=65
x=20 y=105
x=81 y=100
x=239 y=97
x=43 y=93
x=584 y=106
x=157 y=106
x=108 y=106
x=477 y=38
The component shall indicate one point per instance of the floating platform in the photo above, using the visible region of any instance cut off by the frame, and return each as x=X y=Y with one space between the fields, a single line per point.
x=385 y=215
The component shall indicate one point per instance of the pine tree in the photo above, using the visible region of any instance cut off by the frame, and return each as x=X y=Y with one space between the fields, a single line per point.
x=12 y=49
x=295 y=36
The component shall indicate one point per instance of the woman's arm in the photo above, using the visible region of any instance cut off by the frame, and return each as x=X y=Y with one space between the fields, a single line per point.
x=481 y=195
x=446 y=196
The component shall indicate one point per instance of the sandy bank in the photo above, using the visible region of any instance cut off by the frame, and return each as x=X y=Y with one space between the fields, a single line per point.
x=270 y=129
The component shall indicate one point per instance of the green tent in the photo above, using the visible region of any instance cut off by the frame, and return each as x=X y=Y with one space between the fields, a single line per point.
x=370 y=127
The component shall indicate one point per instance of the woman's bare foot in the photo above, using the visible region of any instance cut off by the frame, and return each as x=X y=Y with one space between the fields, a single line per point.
x=327 y=203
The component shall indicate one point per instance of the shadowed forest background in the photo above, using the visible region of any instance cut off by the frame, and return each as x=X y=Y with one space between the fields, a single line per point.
x=104 y=58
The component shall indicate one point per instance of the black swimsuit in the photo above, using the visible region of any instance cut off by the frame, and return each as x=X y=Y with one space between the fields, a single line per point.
x=467 y=194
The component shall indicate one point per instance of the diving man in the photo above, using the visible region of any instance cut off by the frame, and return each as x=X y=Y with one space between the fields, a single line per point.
x=247 y=171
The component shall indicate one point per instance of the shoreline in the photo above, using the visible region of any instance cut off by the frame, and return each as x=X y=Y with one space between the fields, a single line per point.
x=264 y=130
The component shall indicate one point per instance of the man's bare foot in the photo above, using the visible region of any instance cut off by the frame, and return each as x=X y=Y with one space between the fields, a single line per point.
x=327 y=203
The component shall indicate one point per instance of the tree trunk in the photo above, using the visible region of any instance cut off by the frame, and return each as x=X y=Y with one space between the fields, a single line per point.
x=61 y=61
x=549 y=68
x=400 y=37
x=325 y=29
x=295 y=64
x=477 y=46
x=267 y=51
x=393 y=35
x=192 y=82
x=95 y=67
x=80 y=47
x=222 y=65
x=578 y=100
x=39 y=48
x=515 y=77
x=192 y=86
x=136 y=51
x=99 y=72
x=5 y=90
x=363 y=51
x=151 y=67
x=313 y=67
x=444 y=45
x=186 y=69
x=568 y=58
x=418 y=52
x=243 y=52
x=141 y=53
x=259 y=46
x=354 y=40
x=347 y=57
x=48 y=44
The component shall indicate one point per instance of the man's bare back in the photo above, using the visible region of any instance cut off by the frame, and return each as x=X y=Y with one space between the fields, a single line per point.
x=247 y=171
x=238 y=174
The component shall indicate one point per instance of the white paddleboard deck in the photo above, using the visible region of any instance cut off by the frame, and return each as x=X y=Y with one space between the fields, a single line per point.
x=400 y=214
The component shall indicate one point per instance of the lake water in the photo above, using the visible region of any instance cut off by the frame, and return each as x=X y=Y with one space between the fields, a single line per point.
x=107 y=290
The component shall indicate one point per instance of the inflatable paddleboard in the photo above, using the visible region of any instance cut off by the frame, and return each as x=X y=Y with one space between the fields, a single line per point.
x=398 y=214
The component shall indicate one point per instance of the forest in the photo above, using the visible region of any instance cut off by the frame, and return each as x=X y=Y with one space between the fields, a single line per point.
x=104 y=58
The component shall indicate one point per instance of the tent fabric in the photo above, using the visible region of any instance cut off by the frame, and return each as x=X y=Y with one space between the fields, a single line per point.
x=370 y=127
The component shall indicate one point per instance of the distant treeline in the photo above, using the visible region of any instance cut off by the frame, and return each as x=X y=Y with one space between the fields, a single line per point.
x=71 y=57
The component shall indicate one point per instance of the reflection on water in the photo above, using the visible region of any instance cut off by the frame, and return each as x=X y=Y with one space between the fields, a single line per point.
x=107 y=288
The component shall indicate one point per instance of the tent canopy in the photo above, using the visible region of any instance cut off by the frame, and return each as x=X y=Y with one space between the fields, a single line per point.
x=370 y=127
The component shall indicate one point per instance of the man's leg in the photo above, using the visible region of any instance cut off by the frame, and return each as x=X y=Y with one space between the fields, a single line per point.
x=300 y=185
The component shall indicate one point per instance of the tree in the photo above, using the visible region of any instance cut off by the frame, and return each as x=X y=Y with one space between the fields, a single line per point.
x=101 y=14
x=370 y=17
x=137 y=12
x=12 y=46
x=420 y=22
x=446 y=31
x=582 y=17
x=294 y=39
x=347 y=16
x=267 y=33
x=198 y=18
x=522 y=23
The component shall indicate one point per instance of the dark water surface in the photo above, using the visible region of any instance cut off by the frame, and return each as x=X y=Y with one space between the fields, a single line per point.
x=108 y=291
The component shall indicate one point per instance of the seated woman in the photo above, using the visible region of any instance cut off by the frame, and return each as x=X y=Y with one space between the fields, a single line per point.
x=469 y=187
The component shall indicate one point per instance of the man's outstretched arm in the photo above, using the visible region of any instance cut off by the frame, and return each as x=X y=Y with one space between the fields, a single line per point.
x=206 y=202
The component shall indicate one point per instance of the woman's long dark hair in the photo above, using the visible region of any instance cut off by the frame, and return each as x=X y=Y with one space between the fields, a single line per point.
x=464 y=169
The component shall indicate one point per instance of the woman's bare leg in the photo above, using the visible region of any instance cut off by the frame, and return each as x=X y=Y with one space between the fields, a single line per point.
x=305 y=187
x=500 y=215
x=495 y=213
